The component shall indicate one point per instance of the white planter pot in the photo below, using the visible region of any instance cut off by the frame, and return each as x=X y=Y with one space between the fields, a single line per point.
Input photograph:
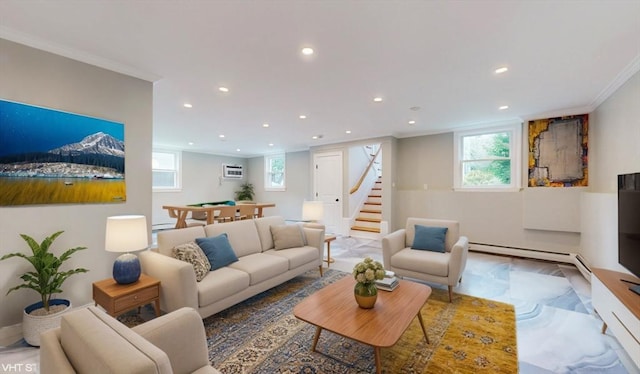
x=32 y=325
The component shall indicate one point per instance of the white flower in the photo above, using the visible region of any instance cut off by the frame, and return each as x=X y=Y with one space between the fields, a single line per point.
x=370 y=274
x=368 y=271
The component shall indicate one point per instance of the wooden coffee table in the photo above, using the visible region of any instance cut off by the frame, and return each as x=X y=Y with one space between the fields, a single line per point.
x=334 y=308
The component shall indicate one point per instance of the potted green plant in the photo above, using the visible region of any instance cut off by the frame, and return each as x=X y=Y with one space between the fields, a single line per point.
x=46 y=278
x=245 y=193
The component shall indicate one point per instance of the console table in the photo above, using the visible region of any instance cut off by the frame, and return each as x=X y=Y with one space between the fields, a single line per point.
x=618 y=307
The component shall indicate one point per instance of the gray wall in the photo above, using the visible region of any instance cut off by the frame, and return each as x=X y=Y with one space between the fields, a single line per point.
x=35 y=77
x=485 y=217
x=201 y=182
x=298 y=182
x=501 y=218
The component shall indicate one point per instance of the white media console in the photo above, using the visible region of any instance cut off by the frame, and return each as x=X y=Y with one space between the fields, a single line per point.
x=618 y=307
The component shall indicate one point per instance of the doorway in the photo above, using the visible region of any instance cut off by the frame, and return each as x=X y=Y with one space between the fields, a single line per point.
x=327 y=187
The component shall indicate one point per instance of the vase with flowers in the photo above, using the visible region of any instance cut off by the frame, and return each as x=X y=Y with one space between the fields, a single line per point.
x=366 y=273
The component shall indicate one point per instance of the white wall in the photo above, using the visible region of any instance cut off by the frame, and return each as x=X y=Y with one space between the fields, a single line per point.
x=35 y=77
x=614 y=148
x=201 y=182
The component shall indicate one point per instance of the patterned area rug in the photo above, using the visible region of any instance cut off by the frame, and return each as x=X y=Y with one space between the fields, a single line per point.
x=261 y=335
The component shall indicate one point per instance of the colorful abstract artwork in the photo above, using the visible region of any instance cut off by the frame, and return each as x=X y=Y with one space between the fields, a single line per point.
x=53 y=157
x=558 y=152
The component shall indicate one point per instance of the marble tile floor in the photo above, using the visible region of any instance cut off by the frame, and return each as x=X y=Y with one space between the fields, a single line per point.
x=557 y=329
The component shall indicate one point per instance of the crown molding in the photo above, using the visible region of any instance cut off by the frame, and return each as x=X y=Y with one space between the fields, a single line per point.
x=632 y=68
x=560 y=113
x=58 y=49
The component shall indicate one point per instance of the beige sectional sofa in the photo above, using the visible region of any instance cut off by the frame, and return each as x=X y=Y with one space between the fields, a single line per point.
x=90 y=341
x=259 y=267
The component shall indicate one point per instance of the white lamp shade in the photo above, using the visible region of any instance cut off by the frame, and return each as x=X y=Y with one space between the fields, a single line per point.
x=312 y=211
x=126 y=234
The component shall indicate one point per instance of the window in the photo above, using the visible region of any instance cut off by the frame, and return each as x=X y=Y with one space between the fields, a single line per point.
x=487 y=159
x=165 y=167
x=274 y=173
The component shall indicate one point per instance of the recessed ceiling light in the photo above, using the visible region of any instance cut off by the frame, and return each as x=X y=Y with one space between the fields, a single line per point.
x=314 y=137
x=348 y=132
x=265 y=125
x=412 y=122
x=237 y=149
x=504 y=107
x=187 y=105
x=221 y=136
x=302 y=116
x=270 y=144
x=307 y=51
x=377 y=99
x=190 y=143
x=501 y=70
x=223 y=89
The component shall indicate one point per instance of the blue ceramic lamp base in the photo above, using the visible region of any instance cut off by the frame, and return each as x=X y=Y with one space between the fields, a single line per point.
x=126 y=268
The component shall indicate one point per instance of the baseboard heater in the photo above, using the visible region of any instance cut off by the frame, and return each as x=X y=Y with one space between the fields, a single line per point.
x=569 y=258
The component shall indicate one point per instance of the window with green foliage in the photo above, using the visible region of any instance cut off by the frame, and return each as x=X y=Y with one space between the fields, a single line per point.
x=488 y=158
x=165 y=167
x=274 y=172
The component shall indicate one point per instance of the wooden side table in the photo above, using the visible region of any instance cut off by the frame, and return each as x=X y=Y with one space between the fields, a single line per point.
x=118 y=298
x=328 y=239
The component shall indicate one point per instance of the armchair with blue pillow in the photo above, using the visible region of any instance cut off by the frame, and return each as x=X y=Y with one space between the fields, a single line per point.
x=430 y=250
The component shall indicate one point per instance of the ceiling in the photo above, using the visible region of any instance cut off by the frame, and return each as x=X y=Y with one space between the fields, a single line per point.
x=431 y=62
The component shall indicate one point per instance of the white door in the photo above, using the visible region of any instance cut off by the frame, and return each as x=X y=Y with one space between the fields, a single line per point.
x=327 y=185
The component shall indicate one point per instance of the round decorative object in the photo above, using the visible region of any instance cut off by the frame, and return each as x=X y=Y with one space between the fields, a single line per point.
x=366 y=295
x=126 y=268
x=33 y=322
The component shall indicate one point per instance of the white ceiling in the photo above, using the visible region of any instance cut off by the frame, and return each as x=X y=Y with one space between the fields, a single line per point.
x=564 y=57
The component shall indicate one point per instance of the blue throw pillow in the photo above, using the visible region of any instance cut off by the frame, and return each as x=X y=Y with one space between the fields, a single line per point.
x=429 y=238
x=218 y=250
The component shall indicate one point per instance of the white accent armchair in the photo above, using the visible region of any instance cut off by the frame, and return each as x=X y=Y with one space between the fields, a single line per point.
x=90 y=341
x=444 y=268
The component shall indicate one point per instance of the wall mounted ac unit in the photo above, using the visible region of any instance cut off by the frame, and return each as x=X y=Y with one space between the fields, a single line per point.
x=232 y=171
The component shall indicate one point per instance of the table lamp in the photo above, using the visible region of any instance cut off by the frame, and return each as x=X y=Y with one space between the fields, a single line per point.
x=126 y=234
x=312 y=211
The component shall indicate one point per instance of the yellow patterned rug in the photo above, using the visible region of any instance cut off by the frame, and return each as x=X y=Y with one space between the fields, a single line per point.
x=470 y=335
x=261 y=335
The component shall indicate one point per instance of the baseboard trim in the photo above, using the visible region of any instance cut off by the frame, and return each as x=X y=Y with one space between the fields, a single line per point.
x=10 y=334
x=583 y=266
x=568 y=258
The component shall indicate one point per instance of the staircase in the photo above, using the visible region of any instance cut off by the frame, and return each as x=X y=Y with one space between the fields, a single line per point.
x=370 y=215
